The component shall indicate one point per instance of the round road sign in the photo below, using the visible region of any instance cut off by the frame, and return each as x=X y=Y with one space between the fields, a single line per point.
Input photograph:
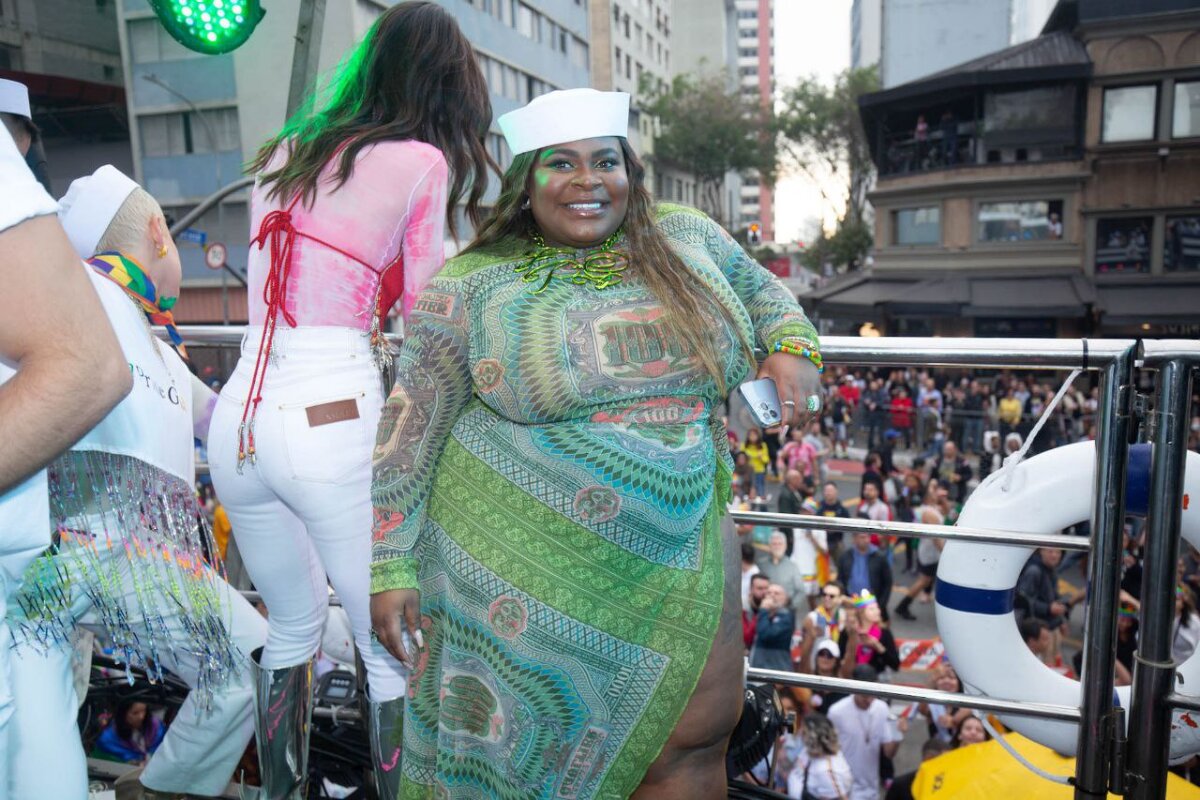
x=214 y=256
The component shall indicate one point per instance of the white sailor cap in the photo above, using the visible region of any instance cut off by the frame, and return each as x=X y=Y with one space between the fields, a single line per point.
x=566 y=116
x=14 y=98
x=88 y=207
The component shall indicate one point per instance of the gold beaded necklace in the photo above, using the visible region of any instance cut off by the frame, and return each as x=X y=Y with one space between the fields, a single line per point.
x=600 y=267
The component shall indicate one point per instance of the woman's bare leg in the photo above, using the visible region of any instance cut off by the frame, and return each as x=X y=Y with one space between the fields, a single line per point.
x=691 y=765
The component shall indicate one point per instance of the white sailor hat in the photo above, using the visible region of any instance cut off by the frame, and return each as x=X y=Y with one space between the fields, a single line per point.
x=566 y=116
x=90 y=204
x=14 y=98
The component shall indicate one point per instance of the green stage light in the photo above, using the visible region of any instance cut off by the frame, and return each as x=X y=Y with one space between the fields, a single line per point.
x=209 y=26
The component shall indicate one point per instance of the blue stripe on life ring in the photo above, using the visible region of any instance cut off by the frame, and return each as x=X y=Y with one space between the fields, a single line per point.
x=975 y=601
x=1137 y=480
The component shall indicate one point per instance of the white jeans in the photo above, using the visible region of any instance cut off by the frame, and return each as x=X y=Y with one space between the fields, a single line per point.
x=202 y=746
x=301 y=513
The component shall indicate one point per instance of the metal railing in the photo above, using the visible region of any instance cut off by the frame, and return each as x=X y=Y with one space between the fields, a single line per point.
x=1099 y=763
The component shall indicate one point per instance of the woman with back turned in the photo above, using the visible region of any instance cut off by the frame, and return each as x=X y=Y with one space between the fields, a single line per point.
x=348 y=210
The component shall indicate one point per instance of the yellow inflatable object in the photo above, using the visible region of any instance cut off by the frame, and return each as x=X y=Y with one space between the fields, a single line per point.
x=986 y=771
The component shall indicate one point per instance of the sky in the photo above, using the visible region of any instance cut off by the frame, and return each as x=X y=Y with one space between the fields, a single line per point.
x=812 y=37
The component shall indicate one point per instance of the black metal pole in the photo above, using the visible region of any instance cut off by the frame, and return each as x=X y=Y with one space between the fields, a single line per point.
x=1108 y=528
x=1154 y=675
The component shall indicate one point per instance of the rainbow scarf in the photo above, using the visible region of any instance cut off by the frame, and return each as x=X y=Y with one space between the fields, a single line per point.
x=129 y=275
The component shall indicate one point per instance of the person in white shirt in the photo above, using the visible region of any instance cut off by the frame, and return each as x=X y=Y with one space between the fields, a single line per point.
x=130 y=564
x=865 y=734
x=820 y=770
x=871 y=506
x=60 y=374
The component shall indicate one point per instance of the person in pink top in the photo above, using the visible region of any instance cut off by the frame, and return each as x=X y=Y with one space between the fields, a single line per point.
x=798 y=454
x=349 y=211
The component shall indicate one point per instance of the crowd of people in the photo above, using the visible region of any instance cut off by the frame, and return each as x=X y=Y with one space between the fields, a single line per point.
x=814 y=603
x=817 y=605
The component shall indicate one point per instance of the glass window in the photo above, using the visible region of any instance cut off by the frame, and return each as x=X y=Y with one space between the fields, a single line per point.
x=579 y=52
x=1129 y=114
x=919 y=225
x=1024 y=221
x=1123 y=244
x=525 y=21
x=1187 y=110
x=149 y=42
x=495 y=76
x=1181 y=245
x=163 y=135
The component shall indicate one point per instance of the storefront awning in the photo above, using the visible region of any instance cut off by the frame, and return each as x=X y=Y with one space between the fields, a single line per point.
x=952 y=295
x=1126 y=304
x=1065 y=296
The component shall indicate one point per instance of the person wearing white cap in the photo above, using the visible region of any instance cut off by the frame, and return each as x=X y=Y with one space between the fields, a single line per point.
x=551 y=472
x=17 y=117
x=59 y=375
x=16 y=114
x=129 y=557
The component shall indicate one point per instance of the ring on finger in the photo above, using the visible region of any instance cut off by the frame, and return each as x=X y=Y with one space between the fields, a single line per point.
x=789 y=402
x=374 y=634
x=814 y=402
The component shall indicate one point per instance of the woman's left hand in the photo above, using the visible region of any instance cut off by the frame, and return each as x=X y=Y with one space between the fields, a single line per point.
x=796 y=379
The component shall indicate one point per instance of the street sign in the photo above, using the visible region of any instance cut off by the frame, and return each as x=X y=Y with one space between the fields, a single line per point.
x=214 y=256
x=193 y=236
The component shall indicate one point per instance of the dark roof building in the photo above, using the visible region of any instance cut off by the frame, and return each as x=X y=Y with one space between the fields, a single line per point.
x=1050 y=188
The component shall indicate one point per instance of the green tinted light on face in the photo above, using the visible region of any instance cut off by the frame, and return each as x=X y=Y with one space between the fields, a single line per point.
x=205 y=26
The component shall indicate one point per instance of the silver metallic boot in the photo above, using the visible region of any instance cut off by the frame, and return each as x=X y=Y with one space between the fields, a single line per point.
x=282 y=716
x=386 y=730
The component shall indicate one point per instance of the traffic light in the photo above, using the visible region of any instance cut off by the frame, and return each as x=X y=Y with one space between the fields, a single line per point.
x=754 y=234
x=209 y=26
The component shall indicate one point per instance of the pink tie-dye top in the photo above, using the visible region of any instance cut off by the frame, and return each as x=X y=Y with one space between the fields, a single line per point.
x=378 y=235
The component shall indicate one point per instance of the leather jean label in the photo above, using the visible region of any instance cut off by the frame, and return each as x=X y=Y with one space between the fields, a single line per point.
x=329 y=413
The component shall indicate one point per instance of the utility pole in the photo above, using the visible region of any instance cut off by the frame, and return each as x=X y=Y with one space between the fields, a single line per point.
x=309 y=28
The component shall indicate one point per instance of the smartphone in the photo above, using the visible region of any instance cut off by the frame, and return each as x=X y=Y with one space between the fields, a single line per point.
x=763 y=399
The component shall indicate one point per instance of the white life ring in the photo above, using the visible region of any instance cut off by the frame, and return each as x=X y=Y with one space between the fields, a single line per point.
x=977 y=585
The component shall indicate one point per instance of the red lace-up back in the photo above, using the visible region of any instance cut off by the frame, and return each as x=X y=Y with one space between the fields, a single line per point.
x=278 y=232
x=306 y=261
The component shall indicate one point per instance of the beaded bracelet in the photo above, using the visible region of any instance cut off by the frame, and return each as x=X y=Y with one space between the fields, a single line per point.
x=802 y=350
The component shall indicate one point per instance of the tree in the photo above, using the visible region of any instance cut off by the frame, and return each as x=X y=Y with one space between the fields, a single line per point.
x=848 y=244
x=821 y=134
x=707 y=129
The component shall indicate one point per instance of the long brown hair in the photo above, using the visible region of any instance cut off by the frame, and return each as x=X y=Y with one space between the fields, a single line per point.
x=688 y=301
x=413 y=76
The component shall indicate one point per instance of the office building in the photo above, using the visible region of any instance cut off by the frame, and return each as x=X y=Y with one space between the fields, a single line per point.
x=631 y=50
x=756 y=81
x=1052 y=193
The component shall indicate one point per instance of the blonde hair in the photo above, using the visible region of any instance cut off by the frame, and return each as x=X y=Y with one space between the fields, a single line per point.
x=128 y=228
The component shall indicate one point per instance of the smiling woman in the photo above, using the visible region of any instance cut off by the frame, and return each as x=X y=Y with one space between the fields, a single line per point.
x=549 y=480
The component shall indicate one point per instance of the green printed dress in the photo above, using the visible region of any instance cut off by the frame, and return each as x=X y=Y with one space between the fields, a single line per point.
x=550 y=475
